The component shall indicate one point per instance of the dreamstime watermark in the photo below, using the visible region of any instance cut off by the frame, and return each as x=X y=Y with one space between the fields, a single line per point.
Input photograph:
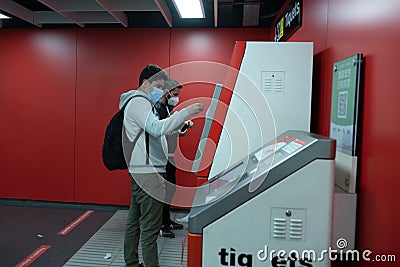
x=311 y=255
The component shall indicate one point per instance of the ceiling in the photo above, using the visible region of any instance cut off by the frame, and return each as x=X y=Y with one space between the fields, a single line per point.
x=135 y=14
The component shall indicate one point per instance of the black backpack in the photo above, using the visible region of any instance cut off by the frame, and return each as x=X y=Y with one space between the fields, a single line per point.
x=113 y=152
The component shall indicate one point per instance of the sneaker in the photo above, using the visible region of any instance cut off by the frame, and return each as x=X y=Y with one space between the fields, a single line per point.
x=175 y=226
x=166 y=233
x=184 y=219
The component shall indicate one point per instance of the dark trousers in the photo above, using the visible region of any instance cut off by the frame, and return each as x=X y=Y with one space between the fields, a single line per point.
x=170 y=190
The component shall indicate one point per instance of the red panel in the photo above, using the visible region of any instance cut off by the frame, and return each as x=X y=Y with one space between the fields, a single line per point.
x=195 y=248
x=61 y=87
x=371 y=28
x=222 y=109
x=37 y=103
x=314 y=25
x=109 y=63
x=214 y=46
x=374 y=31
x=320 y=103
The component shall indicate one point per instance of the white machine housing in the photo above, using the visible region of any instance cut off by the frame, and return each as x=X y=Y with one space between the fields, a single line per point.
x=271 y=94
x=289 y=211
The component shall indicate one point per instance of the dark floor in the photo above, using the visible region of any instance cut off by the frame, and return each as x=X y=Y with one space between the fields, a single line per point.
x=25 y=226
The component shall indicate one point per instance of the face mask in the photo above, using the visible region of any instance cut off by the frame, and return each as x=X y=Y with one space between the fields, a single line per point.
x=156 y=94
x=172 y=101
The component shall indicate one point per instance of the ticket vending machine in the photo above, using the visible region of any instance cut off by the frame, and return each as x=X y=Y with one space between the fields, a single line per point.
x=272 y=208
x=268 y=93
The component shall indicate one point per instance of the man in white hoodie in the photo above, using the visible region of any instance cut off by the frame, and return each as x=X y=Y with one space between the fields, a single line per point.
x=147 y=163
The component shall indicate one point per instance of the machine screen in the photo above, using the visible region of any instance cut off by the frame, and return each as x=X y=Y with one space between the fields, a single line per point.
x=224 y=182
x=255 y=166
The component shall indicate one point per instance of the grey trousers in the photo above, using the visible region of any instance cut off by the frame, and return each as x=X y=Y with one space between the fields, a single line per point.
x=144 y=219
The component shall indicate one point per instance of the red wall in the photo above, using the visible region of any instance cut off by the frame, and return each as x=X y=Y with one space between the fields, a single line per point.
x=58 y=90
x=109 y=63
x=37 y=107
x=341 y=28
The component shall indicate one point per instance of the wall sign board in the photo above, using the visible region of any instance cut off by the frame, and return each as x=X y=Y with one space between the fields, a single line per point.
x=290 y=21
x=345 y=103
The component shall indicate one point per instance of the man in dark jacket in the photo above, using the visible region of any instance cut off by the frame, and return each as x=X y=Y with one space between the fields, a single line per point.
x=163 y=109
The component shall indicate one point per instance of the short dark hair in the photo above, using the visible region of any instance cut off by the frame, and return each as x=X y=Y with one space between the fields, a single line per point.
x=151 y=73
x=171 y=84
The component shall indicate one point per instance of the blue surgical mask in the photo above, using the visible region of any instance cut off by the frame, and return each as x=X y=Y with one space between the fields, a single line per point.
x=173 y=101
x=155 y=95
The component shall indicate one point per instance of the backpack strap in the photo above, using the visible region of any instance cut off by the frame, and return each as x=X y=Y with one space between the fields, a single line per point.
x=147 y=149
x=142 y=130
x=137 y=96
